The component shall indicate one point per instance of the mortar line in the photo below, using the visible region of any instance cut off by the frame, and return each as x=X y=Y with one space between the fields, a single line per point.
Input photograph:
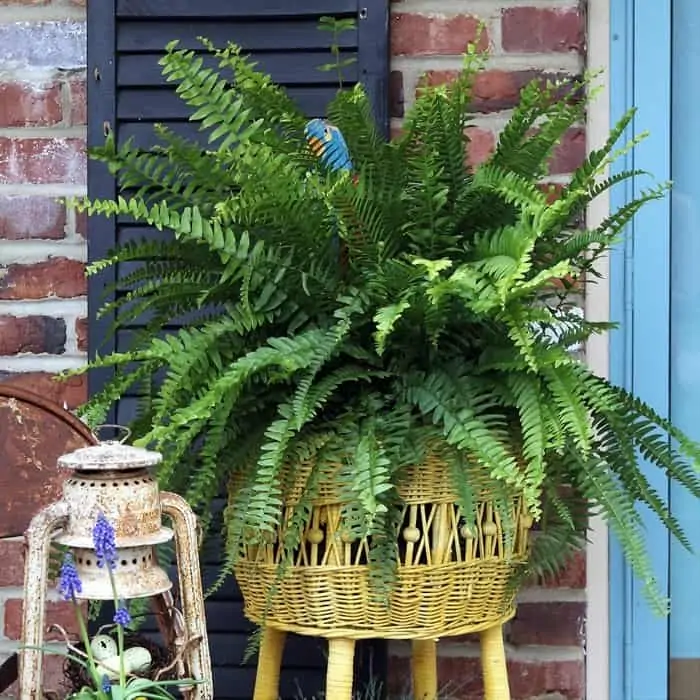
x=43 y=132
x=28 y=252
x=52 y=306
x=53 y=364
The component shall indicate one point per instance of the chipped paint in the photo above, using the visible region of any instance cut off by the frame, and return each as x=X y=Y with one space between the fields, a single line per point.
x=38 y=540
x=113 y=478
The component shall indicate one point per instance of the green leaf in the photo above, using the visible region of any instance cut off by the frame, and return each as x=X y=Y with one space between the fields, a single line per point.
x=385 y=319
x=293 y=314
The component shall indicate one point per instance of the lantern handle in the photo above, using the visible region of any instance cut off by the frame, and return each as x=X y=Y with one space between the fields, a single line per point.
x=125 y=432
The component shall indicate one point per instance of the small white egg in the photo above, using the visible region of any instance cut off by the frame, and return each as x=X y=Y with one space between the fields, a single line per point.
x=137 y=660
x=109 y=667
x=103 y=647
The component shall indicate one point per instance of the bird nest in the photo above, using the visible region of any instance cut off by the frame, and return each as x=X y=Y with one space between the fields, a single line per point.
x=161 y=668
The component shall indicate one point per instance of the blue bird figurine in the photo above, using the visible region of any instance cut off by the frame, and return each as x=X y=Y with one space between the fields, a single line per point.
x=327 y=142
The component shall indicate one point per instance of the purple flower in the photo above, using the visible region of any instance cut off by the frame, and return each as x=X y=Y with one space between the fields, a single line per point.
x=106 y=684
x=122 y=617
x=69 y=584
x=104 y=543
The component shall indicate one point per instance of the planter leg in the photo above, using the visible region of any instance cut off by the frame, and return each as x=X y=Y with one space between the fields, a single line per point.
x=267 y=680
x=340 y=671
x=424 y=664
x=493 y=664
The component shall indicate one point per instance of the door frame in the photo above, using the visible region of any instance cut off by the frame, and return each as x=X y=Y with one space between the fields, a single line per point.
x=597 y=307
x=640 y=76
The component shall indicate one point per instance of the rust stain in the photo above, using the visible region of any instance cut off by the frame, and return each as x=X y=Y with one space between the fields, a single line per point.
x=33 y=437
x=34 y=433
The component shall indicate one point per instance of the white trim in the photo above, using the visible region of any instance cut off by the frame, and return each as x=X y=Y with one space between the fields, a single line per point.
x=597 y=306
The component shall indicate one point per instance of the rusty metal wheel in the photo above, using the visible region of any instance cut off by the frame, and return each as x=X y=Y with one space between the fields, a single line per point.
x=34 y=433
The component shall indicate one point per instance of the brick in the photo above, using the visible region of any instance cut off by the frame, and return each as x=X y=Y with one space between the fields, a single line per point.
x=32 y=334
x=26 y=104
x=44 y=44
x=553 y=191
x=573 y=575
x=433 y=78
x=42 y=161
x=57 y=612
x=482 y=144
x=492 y=90
x=81 y=224
x=81 y=330
x=570 y=153
x=396 y=96
x=55 y=277
x=548 y=624
x=540 y=30
x=563 y=680
x=530 y=680
x=12 y=557
x=71 y=392
x=77 y=89
x=423 y=35
x=26 y=216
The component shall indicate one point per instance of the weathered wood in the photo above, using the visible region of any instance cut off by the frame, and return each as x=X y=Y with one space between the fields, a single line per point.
x=127 y=94
x=287 y=68
x=234 y=8
x=273 y=35
x=162 y=104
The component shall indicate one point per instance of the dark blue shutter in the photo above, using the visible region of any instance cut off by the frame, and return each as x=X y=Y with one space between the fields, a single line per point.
x=127 y=94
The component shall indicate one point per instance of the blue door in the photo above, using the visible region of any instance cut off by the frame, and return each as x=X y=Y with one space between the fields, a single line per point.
x=684 y=338
x=655 y=288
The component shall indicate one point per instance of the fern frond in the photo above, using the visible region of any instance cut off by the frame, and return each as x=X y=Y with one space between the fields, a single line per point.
x=568 y=396
x=292 y=314
x=618 y=507
x=206 y=91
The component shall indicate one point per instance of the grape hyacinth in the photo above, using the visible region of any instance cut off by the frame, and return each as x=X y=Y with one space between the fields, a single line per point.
x=69 y=585
x=122 y=617
x=106 y=684
x=104 y=542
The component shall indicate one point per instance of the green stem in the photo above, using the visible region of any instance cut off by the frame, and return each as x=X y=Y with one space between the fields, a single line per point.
x=335 y=49
x=120 y=631
x=88 y=649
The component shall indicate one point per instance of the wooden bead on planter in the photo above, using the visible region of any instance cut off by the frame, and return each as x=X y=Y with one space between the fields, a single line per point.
x=454 y=577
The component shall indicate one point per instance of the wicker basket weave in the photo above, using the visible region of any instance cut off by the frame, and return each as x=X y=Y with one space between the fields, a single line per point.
x=453 y=577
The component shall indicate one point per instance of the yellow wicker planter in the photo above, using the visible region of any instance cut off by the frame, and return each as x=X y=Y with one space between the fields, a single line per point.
x=454 y=578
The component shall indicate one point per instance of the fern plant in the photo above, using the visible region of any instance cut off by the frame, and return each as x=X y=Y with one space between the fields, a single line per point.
x=362 y=317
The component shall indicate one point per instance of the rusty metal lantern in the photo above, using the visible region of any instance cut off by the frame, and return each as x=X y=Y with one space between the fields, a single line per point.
x=114 y=479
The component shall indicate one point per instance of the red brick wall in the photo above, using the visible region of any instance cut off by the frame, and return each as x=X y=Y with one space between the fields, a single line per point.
x=526 y=39
x=42 y=248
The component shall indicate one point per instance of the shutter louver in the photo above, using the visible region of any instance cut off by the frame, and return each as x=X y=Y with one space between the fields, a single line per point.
x=127 y=94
